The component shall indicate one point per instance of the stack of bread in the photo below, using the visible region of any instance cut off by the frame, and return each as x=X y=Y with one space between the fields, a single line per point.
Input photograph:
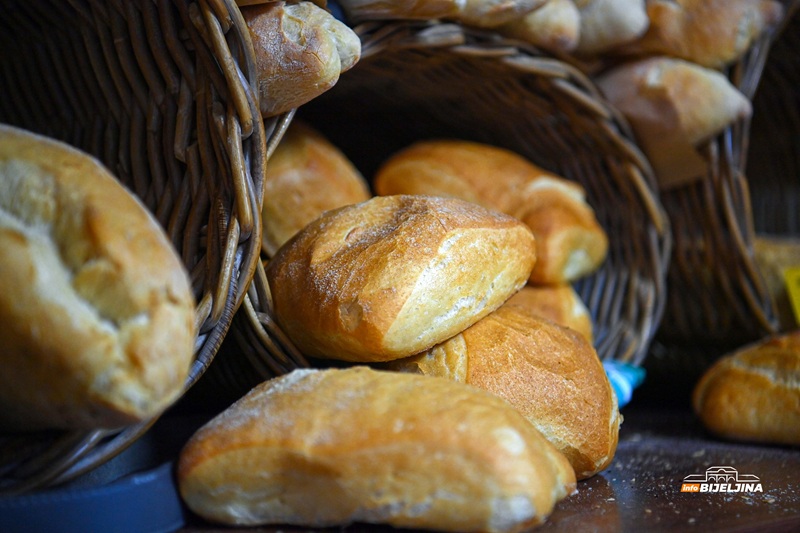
x=448 y=390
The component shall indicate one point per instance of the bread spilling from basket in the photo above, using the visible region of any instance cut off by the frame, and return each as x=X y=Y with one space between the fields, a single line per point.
x=96 y=309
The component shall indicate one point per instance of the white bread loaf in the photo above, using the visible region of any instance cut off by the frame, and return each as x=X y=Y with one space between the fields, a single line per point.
x=306 y=176
x=551 y=374
x=555 y=26
x=395 y=275
x=711 y=33
x=96 y=312
x=570 y=243
x=558 y=303
x=673 y=107
x=329 y=447
x=301 y=50
x=753 y=394
x=608 y=24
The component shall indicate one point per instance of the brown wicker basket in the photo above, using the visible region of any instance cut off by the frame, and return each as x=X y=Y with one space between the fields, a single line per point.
x=429 y=79
x=162 y=92
x=717 y=298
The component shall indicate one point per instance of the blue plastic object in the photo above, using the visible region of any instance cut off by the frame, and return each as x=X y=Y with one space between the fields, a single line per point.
x=624 y=379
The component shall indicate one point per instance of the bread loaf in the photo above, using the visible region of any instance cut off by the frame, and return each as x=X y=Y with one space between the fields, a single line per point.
x=559 y=303
x=673 y=107
x=711 y=33
x=608 y=24
x=328 y=447
x=753 y=394
x=494 y=13
x=555 y=26
x=395 y=275
x=551 y=374
x=96 y=312
x=570 y=243
x=300 y=49
x=306 y=176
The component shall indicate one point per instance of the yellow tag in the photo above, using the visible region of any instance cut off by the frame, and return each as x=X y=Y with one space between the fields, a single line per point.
x=792 y=278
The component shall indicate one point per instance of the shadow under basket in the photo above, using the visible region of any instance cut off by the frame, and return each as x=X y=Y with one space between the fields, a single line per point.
x=162 y=93
x=422 y=80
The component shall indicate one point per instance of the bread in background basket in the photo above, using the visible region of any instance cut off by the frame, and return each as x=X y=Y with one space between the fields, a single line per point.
x=96 y=311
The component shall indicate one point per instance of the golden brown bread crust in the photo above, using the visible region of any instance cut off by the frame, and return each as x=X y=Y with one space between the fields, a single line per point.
x=570 y=243
x=494 y=13
x=395 y=275
x=330 y=447
x=673 y=107
x=96 y=312
x=559 y=303
x=306 y=176
x=300 y=49
x=551 y=374
x=555 y=26
x=753 y=394
x=711 y=33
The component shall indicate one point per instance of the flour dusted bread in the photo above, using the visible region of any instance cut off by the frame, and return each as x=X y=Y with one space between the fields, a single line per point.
x=394 y=275
x=329 y=447
x=570 y=243
x=96 y=313
x=306 y=176
x=559 y=303
x=711 y=33
x=301 y=50
x=673 y=107
x=753 y=394
x=551 y=374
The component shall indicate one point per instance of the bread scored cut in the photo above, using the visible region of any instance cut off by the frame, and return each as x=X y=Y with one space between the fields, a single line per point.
x=395 y=275
x=322 y=448
x=96 y=311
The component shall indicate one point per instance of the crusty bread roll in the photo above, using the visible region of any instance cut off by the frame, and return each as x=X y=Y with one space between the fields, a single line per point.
x=775 y=254
x=608 y=24
x=329 y=447
x=306 y=176
x=494 y=13
x=711 y=33
x=555 y=26
x=301 y=50
x=570 y=243
x=673 y=106
x=395 y=275
x=96 y=312
x=559 y=303
x=551 y=374
x=753 y=394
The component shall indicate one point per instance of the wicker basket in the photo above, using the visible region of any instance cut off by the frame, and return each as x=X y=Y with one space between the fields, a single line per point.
x=429 y=79
x=161 y=92
x=717 y=298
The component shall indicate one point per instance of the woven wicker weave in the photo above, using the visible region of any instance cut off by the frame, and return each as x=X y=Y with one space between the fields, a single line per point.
x=717 y=298
x=160 y=91
x=420 y=80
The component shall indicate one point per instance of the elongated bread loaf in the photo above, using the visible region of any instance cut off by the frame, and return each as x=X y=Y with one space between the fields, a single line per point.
x=330 y=447
x=395 y=275
x=301 y=50
x=96 y=312
x=570 y=243
x=307 y=175
x=551 y=374
x=559 y=303
x=753 y=394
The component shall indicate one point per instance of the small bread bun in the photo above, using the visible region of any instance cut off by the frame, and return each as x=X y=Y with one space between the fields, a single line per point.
x=711 y=33
x=608 y=24
x=301 y=49
x=96 y=312
x=322 y=448
x=753 y=394
x=570 y=243
x=395 y=275
x=551 y=374
x=559 y=303
x=673 y=107
x=494 y=13
x=306 y=176
x=555 y=26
